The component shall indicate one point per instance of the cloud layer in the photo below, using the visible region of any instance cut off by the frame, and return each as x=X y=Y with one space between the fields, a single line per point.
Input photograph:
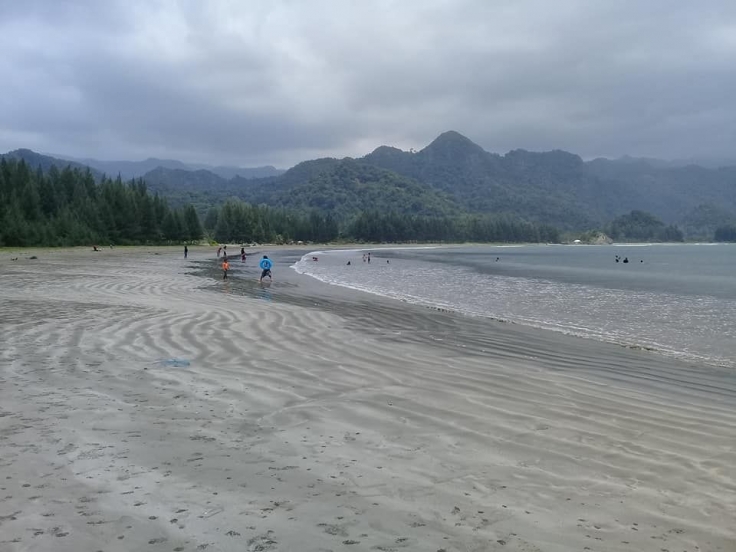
x=278 y=81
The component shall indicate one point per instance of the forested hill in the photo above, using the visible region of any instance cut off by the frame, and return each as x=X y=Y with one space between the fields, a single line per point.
x=453 y=175
x=68 y=207
x=346 y=187
x=558 y=187
x=45 y=162
x=343 y=187
x=546 y=187
x=136 y=169
x=128 y=170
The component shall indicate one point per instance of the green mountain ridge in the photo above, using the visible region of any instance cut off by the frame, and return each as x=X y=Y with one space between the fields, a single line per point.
x=452 y=175
x=558 y=187
x=348 y=186
x=45 y=162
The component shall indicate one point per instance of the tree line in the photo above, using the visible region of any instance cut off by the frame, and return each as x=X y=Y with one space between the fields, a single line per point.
x=68 y=207
x=240 y=222
x=726 y=233
x=643 y=226
x=391 y=227
x=64 y=207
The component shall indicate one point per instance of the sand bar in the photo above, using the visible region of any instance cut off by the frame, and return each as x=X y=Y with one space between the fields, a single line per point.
x=144 y=407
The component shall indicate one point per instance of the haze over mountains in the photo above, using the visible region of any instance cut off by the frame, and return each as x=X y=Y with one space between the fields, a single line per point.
x=453 y=175
x=136 y=169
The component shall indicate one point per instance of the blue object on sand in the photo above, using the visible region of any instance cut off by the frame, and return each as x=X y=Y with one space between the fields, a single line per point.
x=265 y=264
x=176 y=362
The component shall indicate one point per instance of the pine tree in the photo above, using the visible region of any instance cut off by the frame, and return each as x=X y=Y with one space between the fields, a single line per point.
x=193 y=227
x=210 y=221
x=171 y=227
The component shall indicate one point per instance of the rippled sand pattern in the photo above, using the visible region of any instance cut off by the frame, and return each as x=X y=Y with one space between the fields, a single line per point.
x=140 y=410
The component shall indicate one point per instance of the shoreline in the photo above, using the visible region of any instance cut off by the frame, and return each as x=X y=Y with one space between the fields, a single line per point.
x=356 y=246
x=206 y=253
x=143 y=406
x=654 y=348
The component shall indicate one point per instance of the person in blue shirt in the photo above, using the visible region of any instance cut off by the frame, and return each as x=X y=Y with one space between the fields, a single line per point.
x=266 y=271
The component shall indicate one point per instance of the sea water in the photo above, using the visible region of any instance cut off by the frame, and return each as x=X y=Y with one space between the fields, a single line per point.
x=678 y=300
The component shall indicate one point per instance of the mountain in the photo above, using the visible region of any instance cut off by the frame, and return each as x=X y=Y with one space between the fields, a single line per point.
x=545 y=187
x=706 y=162
x=343 y=187
x=702 y=221
x=136 y=169
x=670 y=193
x=166 y=180
x=348 y=186
x=130 y=169
x=453 y=175
x=45 y=162
x=242 y=172
x=558 y=187
x=200 y=188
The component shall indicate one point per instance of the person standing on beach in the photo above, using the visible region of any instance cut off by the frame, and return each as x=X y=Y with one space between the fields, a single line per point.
x=369 y=258
x=218 y=252
x=266 y=271
x=225 y=268
x=242 y=254
x=186 y=251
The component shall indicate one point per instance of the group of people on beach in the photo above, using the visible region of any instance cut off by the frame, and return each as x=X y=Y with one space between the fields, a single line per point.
x=266 y=272
x=223 y=250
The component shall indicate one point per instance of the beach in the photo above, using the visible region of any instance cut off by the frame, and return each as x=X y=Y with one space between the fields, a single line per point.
x=146 y=404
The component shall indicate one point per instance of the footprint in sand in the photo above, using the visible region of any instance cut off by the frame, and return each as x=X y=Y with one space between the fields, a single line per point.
x=335 y=530
x=67 y=449
x=262 y=543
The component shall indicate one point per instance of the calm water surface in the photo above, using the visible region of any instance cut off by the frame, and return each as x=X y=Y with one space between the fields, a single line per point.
x=677 y=299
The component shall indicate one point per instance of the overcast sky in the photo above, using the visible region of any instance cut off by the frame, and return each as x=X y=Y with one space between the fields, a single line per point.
x=253 y=82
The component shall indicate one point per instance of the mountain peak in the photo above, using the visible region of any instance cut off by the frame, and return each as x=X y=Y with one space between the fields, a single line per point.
x=454 y=142
x=451 y=135
x=386 y=150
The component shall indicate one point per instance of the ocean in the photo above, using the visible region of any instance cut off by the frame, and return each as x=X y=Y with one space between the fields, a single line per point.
x=677 y=300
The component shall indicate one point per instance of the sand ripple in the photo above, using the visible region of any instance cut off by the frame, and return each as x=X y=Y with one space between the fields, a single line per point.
x=289 y=428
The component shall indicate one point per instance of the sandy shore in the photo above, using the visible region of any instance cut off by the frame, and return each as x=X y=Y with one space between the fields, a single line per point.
x=145 y=404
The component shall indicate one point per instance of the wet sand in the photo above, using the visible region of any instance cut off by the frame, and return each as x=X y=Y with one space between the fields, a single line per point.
x=145 y=404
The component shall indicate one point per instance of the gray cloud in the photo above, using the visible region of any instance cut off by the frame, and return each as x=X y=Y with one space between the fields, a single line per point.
x=269 y=81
